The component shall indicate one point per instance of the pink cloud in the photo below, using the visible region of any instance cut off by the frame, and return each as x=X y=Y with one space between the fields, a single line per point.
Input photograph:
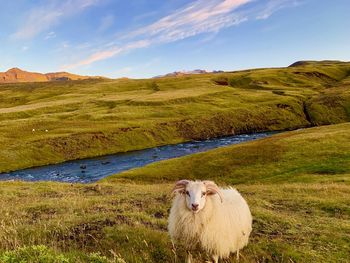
x=201 y=16
x=105 y=54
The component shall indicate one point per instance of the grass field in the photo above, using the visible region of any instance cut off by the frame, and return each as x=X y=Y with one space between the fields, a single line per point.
x=296 y=183
x=43 y=123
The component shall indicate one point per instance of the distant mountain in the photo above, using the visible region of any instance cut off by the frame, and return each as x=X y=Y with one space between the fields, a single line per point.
x=182 y=73
x=19 y=75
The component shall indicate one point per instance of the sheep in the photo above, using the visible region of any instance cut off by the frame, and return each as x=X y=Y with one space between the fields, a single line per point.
x=204 y=216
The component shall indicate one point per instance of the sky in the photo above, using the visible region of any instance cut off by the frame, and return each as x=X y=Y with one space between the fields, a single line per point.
x=146 y=38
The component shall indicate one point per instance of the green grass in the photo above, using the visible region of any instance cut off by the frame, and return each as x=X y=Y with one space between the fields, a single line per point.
x=95 y=117
x=296 y=183
x=297 y=157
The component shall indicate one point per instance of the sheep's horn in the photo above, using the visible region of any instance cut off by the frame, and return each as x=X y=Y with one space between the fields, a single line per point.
x=212 y=188
x=180 y=185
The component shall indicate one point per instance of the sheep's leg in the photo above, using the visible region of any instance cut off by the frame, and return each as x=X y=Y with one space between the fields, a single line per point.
x=237 y=255
x=189 y=257
x=215 y=258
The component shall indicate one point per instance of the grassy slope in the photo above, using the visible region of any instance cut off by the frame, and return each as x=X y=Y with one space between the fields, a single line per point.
x=310 y=155
x=296 y=183
x=92 y=117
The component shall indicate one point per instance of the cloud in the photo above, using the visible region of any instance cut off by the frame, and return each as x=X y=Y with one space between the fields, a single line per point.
x=201 y=16
x=65 y=44
x=49 y=35
x=106 y=23
x=44 y=17
x=101 y=55
x=273 y=6
x=145 y=15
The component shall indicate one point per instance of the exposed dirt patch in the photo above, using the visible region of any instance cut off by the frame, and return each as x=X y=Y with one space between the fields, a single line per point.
x=316 y=74
x=72 y=145
x=221 y=80
x=284 y=106
x=36 y=213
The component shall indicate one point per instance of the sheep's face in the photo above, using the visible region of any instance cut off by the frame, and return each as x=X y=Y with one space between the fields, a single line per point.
x=196 y=193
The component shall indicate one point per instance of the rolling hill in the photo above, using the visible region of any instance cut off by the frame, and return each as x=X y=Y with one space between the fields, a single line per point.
x=86 y=118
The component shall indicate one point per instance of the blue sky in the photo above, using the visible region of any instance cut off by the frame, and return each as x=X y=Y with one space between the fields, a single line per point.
x=145 y=38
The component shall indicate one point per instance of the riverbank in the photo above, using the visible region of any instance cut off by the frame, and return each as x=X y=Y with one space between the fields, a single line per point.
x=45 y=123
x=296 y=183
x=94 y=169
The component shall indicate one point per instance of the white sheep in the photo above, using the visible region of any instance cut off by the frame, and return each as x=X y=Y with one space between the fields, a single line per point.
x=204 y=216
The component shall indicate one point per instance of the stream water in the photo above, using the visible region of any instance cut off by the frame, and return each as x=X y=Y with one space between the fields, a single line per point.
x=94 y=169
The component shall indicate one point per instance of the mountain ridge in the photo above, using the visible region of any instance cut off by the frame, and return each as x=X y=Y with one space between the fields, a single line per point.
x=188 y=72
x=15 y=75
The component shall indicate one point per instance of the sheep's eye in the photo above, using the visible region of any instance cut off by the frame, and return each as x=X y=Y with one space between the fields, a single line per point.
x=203 y=194
x=188 y=193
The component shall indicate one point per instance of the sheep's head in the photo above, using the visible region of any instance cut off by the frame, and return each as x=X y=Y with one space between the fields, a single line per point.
x=196 y=192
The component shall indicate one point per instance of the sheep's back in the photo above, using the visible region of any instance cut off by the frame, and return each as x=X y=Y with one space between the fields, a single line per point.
x=230 y=225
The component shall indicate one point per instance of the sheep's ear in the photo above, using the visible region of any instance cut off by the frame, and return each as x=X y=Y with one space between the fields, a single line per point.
x=180 y=186
x=212 y=189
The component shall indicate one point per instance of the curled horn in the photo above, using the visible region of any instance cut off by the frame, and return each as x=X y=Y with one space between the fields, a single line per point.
x=180 y=186
x=212 y=188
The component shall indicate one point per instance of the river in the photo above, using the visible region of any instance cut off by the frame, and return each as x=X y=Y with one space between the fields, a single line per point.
x=94 y=169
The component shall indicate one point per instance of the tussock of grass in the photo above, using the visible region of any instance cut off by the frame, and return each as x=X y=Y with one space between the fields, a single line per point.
x=296 y=183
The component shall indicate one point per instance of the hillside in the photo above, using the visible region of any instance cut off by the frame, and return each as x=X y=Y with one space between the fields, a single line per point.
x=59 y=121
x=296 y=183
x=16 y=75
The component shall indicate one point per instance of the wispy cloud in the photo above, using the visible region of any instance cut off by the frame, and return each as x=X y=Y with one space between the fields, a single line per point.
x=50 y=35
x=42 y=18
x=65 y=44
x=273 y=6
x=201 y=16
x=101 y=55
x=106 y=22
